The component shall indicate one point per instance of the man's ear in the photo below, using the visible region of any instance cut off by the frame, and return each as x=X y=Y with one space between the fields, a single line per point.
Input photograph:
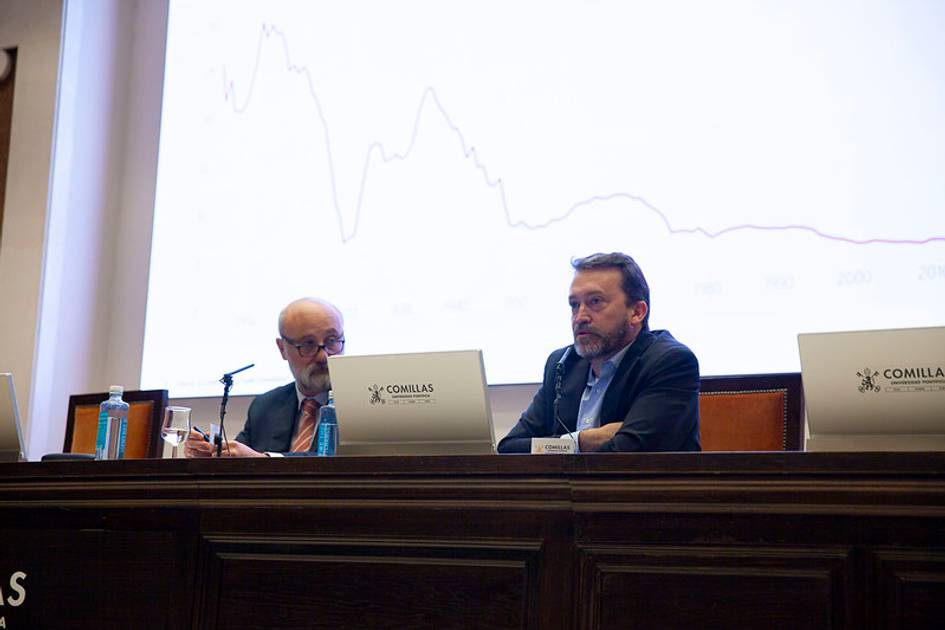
x=282 y=348
x=638 y=312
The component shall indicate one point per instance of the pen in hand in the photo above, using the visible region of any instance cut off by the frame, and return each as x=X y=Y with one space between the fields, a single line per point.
x=206 y=438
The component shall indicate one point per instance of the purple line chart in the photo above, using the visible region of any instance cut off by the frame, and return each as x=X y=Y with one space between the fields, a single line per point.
x=434 y=177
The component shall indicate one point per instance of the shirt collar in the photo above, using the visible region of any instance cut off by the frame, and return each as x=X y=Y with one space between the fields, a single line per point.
x=321 y=397
x=609 y=366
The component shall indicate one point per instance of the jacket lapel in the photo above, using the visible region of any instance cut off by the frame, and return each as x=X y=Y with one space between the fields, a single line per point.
x=609 y=409
x=282 y=431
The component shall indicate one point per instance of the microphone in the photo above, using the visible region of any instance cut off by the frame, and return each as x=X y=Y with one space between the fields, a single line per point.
x=229 y=375
x=559 y=376
x=227 y=381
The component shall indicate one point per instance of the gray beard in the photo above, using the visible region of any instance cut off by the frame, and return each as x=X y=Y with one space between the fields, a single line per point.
x=605 y=344
x=319 y=381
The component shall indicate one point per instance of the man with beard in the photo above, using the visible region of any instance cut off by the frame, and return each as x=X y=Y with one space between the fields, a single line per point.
x=282 y=422
x=620 y=387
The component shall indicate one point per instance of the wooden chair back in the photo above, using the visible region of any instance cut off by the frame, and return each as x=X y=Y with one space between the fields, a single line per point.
x=143 y=436
x=754 y=412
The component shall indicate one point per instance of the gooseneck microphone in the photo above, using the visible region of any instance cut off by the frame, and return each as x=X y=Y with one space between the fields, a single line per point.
x=559 y=376
x=227 y=381
x=229 y=375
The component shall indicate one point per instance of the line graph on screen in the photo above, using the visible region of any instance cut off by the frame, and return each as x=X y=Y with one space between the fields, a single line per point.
x=434 y=179
x=429 y=98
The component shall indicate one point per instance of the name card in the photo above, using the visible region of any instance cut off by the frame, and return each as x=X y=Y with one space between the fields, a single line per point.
x=552 y=446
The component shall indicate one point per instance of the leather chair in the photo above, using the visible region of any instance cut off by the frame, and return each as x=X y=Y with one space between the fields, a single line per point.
x=753 y=412
x=145 y=414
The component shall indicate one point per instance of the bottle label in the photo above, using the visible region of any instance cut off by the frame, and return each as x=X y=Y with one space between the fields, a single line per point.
x=123 y=424
x=100 y=445
x=326 y=440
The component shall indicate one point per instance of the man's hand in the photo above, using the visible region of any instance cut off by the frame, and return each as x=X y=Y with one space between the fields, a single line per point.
x=590 y=440
x=232 y=448
x=196 y=446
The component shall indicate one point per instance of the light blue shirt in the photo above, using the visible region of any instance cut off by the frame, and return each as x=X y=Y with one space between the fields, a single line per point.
x=593 y=398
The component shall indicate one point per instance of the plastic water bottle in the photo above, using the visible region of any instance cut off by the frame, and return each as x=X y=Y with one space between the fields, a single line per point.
x=112 y=425
x=326 y=441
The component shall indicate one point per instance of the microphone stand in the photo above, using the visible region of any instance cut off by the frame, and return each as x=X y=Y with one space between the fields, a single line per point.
x=227 y=381
x=559 y=376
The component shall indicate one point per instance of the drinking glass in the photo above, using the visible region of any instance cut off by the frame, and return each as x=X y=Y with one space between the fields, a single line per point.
x=176 y=426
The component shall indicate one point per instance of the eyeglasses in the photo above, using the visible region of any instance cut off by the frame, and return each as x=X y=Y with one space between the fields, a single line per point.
x=308 y=348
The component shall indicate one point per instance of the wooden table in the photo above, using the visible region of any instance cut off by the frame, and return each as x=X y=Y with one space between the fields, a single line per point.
x=695 y=540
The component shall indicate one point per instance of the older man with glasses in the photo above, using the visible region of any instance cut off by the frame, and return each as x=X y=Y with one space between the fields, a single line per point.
x=282 y=421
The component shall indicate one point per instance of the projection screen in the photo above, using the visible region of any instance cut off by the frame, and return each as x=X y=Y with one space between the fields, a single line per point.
x=432 y=167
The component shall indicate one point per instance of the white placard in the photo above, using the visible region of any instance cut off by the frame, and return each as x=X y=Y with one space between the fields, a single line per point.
x=552 y=446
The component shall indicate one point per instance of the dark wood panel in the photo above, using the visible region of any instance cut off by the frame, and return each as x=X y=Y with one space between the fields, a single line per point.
x=714 y=587
x=96 y=579
x=687 y=525
x=909 y=588
x=538 y=473
x=338 y=583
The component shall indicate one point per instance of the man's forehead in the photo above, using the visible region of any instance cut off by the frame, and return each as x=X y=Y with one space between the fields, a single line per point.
x=311 y=319
x=596 y=281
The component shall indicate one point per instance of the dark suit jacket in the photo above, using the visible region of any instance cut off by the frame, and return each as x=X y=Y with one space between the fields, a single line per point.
x=655 y=393
x=270 y=422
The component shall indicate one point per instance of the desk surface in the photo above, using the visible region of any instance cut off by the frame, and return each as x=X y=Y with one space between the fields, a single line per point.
x=736 y=463
x=657 y=540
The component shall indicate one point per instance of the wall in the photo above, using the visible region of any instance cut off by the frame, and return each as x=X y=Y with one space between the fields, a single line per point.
x=33 y=27
x=73 y=272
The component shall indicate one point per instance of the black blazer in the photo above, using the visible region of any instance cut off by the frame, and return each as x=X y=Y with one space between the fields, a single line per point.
x=655 y=394
x=270 y=422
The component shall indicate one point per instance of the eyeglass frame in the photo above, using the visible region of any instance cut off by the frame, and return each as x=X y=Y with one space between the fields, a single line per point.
x=316 y=346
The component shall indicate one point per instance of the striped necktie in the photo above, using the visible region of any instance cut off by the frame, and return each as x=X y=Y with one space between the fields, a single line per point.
x=306 y=431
